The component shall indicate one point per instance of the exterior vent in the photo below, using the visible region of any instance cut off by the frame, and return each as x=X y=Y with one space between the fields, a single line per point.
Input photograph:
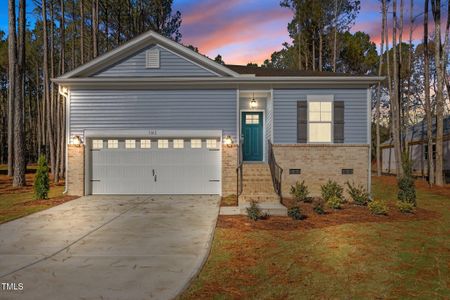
x=152 y=59
x=347 y=171
x=295 y=171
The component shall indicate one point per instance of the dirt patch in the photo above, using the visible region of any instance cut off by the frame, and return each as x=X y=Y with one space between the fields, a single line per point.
x=349 y=214
x=421 y=184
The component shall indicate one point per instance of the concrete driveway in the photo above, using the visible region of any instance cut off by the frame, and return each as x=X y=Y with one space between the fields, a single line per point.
x=108 y=247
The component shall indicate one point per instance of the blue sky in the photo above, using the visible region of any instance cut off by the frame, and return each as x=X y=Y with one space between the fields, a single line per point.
x=247 y=30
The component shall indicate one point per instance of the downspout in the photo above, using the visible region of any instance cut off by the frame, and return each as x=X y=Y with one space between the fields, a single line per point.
x=369 y=139
x=65 y=93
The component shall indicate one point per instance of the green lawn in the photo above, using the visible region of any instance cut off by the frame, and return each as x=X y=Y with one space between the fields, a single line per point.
x=16 y=205
x=401 y=259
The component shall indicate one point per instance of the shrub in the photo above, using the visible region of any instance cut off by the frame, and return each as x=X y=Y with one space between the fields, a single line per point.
x=358 y=193
x=41 y=180
x=406 y=189
x=319 y=207
x=334 y=202
x=332 y=189
x=254 y=212
x=405 y=207
x=295 y=213
x=378 y=207
x=300 y=192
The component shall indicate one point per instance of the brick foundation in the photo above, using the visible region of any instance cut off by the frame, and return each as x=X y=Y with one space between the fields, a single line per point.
x=318 y=163
x=229 y=165
x=75 y=170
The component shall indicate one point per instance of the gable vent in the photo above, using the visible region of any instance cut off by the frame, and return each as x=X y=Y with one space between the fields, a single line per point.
x=152 y=59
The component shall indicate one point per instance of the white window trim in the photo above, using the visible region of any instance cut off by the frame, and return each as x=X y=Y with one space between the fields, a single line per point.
x=320 y=98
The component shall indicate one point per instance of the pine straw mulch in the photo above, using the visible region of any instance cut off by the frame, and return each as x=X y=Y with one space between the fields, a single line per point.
x=349 y=214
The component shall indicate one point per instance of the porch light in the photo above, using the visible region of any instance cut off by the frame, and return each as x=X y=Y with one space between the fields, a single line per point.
x=228 y=140
x=253 y=103
x=76 y=140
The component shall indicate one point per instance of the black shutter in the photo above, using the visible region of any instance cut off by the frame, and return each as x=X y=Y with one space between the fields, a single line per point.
x=302 y=122
x=338 y=121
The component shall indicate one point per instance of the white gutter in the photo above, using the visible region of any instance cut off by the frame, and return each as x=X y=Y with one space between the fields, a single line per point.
x=65 y=93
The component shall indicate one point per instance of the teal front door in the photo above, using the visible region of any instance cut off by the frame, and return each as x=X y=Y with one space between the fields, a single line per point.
x=252 y=133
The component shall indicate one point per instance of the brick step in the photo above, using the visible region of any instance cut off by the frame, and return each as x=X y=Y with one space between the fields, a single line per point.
x=257 y=188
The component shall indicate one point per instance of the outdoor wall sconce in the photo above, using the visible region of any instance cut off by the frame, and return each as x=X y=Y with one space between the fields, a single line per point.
x=228 y=141
x=253 y=103
x=76 y=140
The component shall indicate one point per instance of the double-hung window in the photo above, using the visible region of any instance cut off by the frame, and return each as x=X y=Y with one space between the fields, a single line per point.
x=320 y=121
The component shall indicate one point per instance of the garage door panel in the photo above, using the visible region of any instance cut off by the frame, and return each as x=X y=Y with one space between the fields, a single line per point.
x=156 y=171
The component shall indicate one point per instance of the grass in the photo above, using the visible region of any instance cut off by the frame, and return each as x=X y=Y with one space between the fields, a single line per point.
x=382 y=259
x=19 y=202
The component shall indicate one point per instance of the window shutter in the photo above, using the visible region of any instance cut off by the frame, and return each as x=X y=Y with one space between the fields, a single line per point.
x=302 y=122
x=152 y=58
x=338 y=121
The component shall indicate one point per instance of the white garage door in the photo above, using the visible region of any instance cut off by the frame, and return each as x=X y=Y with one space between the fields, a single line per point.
x=155 y=166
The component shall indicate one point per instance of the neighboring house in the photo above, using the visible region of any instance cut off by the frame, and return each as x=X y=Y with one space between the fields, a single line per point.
x=154 y=117
x=416 y=137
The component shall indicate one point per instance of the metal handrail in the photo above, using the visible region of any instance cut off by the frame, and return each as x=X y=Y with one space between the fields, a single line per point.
x=275 y=170
x=239 y=171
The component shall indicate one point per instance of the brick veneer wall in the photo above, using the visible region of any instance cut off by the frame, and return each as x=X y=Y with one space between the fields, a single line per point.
x=229 y=165
x=318 y=163
x=75 y=170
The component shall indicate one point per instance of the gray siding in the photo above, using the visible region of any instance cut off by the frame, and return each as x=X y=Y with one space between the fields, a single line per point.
x=285 y=113
x=151 y=109
x=170 y=65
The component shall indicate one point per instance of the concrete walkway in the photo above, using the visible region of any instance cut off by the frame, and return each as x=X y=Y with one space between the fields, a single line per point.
x=108 y=247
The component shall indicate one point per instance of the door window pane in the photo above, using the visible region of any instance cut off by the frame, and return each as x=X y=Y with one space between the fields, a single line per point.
x=211 y=143
x=252 y=119
x=97 y=144
x=196 y=143
x=146 y=144
x=130 y=144
x=178 y=144
x=163 y=144
x=113 y=144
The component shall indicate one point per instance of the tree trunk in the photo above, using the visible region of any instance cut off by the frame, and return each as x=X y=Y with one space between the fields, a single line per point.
x=395 y=96
x=428 y=110
x=378 y=107
x=12 y=55
x=320 y=49
x=52 y=111
x=439 y=53
x=400 y=79
x=74 y=30
x=94 y=28
x=81 y=32
x=335 y=35
x=19 y=142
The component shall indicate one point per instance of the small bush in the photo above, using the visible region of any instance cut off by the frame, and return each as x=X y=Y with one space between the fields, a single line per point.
x=254 y=212
x=295 y=213
x=332 y=189
x=406 y=188
x=378 y=207
x=405 y=207
x=334 y=202
x=358 y=193
x=319 y=207
x=300 y=192
x=41 y=180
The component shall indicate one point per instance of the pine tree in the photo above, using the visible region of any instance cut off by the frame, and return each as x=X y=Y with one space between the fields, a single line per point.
x=41 y=180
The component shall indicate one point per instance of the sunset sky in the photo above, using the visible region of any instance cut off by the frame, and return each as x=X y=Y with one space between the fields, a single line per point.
x=245 y=31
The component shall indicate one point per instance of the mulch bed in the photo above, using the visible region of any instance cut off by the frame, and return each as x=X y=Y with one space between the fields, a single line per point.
x=349 y=213
x=420 y=184
x=49 y=202
x=7 y=188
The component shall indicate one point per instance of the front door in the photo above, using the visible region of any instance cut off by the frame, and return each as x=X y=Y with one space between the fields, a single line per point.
x=252 y=133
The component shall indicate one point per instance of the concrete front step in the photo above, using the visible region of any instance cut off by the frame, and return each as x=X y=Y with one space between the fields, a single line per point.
x=272 y=209
x=259 y=197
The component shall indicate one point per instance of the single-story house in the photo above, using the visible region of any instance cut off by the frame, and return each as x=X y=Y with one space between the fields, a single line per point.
x=416 y=137
x=155 y=117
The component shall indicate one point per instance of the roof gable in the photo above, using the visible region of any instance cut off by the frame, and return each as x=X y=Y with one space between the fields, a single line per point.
x=170 y=65
x=112 y=58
